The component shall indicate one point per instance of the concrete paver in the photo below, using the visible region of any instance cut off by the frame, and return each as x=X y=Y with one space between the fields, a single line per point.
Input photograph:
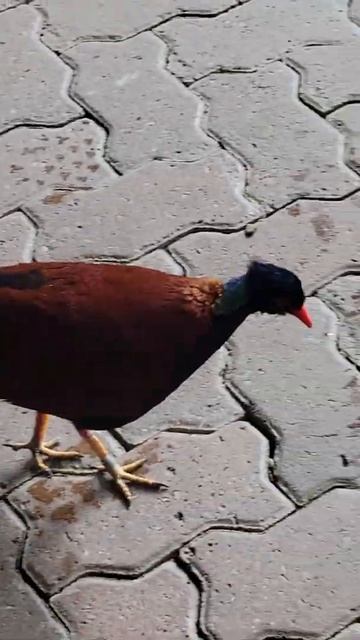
x=34 y=82
x=343 y=295
x=142 y=210
x=66 y=23
x=103 y=608
x=22 y=613
x=216 y=478
x=158 y=116
x=347 y=120
x=193 y=136
x=252 y=35
x=266 y=136
x=298 y=579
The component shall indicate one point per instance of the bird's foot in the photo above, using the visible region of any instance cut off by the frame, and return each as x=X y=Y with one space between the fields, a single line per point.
x=44 y=450
x=124 y=474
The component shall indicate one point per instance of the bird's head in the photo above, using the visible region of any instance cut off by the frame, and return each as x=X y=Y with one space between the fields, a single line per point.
x=275 y=290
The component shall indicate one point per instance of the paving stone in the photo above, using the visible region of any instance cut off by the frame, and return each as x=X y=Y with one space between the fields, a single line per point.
x=16 y=425
x=217 y=478
x=351 y=633
x=330 y=74
x=343 y=295
x=158 y=116
x=318 y=240
x=17 y=236
x=65 y=24
x=290 y=151
x=354 y=11
x=347 y=120
x=297 y=382
x=22 y=613
x=34 y=82
x=200 y=404
x=161 y=260
x=162 y=603
x=298 y=579
x=140 y=211
x=51 y=161
x=252 y=34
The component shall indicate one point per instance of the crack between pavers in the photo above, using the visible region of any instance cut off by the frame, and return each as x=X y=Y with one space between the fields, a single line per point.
x=346 y=626
x=353 y=19
x=27 y=579
x=199 y=583
x=28 y=124
x=15 y=6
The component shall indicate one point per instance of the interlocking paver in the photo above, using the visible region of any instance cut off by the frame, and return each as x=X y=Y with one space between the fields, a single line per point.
x=52 y=162
x=299 y=579
x=141 y=210
x=200 y=404
x=347 y=120
x=160 y=604
x=330 y=74
x=252 y=34
x=319 y=240
x=22 y=613
x=158 y=117
x=351 y=633
x=343 y=295
x=34 y=83
x=217 y=478
x=67 y=23
x=17 y=236
x=290 y=151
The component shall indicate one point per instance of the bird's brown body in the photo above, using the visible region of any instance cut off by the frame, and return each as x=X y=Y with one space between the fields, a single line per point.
x=102 y=344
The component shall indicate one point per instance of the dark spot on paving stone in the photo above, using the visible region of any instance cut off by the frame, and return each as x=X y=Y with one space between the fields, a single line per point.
x=86 y=491
x=62 y=139
x=300 y=176
x=179 y=516
x=90 y=154
x=33 y=279
x=65 y=174
x=324 y=227
x=294 y=210
x=88 y=141
x=355 y=390
x=354 y=425
x=93 y=167
x=15 y=167
x=65 y=512
x=49 y=168
x=344 y=460
x=40 y=182
x=77 y=164
x=68 y=563
x=74 y=148
x=43 y=493
x=55 y=198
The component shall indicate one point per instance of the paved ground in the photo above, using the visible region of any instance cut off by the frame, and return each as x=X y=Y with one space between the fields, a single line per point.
x=192 y=135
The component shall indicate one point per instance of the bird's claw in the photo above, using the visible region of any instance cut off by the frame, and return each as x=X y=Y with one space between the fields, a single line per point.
x=47 y=450
x=123 y=474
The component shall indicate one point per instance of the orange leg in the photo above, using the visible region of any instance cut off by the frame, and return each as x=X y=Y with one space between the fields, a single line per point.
x=120 y=474
x=41 y=449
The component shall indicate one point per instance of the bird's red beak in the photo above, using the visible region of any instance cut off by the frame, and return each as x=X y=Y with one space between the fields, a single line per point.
x=303 y=315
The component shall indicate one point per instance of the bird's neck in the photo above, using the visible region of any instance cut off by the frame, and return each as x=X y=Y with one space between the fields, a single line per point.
x=233 y=298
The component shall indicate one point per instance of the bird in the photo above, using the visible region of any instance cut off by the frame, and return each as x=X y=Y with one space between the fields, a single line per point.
x=101 y=344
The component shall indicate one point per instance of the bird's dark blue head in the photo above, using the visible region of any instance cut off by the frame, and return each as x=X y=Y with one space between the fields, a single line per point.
x=275 y=290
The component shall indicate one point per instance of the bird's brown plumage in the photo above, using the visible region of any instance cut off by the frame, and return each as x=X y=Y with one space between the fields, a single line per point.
x=102 y=344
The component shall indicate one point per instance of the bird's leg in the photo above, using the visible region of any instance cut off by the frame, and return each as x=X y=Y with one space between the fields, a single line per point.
x=120 y=474
x=41 y=449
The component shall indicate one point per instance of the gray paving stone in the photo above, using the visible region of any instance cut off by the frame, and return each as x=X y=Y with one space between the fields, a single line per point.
x=347 y=120
x=318 y=240
x=354 y=11
x=158 y=116
x=22 y=613
x=299 y=579
x=141 y=210
x=52 y=162
x=67 y=23
x=34 y=82
x=351 y=633
x=160 y=259
x=343 y=296
x=200 y=404
x=252 y=34
x=17 y=237
x=161 y=604
x=330 y=74
x=217 y=478
x=290 y=151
